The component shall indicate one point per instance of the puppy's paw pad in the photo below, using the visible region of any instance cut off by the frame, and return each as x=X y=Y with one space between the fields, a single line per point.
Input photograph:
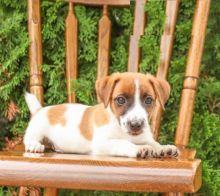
x=35 y=147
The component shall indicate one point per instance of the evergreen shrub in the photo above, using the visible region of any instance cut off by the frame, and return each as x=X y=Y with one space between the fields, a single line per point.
x=205 y=133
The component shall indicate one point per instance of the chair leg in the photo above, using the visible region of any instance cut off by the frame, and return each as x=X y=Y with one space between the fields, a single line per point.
x=51 y=192
x=32 y=191
x=173 y=194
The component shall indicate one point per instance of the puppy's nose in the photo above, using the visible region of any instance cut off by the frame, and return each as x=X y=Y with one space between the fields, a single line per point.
x=136 y=124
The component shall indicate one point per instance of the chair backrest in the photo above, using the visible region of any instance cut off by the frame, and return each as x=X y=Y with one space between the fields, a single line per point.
x=104 y=37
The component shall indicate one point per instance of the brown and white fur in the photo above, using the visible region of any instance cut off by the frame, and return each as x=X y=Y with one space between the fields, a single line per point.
x=118 y=126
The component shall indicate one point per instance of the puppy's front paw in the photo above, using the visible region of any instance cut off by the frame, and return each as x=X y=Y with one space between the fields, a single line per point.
x=145 y=151
x=36 y=147
x=167 y=151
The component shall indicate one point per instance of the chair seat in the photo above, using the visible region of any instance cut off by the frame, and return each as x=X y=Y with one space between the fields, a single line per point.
x=74 y=171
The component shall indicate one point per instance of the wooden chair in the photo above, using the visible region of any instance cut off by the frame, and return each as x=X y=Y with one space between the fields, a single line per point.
x=53 y=171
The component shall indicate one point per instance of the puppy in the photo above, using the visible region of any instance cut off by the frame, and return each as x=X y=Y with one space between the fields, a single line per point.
x=118 y=126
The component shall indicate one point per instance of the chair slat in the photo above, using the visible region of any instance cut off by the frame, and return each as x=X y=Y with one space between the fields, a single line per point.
x=121 y=3
x=192 y=72
x=71 y=51
x=138 y=31
x=166 y=47
x=35 y=49
x=104 y=44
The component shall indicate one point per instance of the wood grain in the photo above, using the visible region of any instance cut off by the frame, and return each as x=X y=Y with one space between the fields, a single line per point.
x=71 y=52
x=173 y=194
x=118 y=3
x=192 y=72
x=104 y=44
x=35 y=60
x=24 y=191
x=99 y=173
x=35 y=49
x=51 y=192
x=138 y=31
x=166 y=47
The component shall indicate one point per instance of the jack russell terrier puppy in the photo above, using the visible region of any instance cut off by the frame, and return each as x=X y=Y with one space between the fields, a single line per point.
x=118 y=126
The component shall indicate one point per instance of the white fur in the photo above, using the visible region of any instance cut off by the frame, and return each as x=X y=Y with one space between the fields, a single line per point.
x=110 y=139
x=64 y=138
x=136 y=112
x=32 y=102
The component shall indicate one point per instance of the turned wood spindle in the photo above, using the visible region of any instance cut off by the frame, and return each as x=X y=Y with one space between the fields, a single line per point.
x=192 y=72
x=35 y=49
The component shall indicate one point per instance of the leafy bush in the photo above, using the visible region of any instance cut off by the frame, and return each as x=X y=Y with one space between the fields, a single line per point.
x=205 y=131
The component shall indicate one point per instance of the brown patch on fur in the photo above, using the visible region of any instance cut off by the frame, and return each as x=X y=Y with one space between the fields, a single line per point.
x=126 y=88
x=56 y=113
x=146 y=89
x=161 y=88
x=100 y=115
x=86 y=126
x=105 y=86
x=95 y=115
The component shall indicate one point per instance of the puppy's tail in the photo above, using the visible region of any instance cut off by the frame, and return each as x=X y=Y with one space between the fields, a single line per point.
x=32 y=102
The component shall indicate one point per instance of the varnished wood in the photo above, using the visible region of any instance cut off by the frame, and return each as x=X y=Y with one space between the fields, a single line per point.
x=104 y=38
x=118 y=3
x=192 y=72
x=24 y=191
x=166 y=47
x=71 y=52
x=35 y=60
x=35 y=49
x=138 y=31
x=173 y=194
x=51 y=192
x=99 y=173
x=104 y=44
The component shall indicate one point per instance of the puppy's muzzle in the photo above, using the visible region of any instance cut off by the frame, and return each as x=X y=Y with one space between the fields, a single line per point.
x=135 y=126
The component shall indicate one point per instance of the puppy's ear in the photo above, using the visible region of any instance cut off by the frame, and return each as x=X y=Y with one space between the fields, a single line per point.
x=104 y=88
x=161 y=88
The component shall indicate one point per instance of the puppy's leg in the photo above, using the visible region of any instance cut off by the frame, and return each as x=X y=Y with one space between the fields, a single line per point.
x=33 y=137
x=119 y=147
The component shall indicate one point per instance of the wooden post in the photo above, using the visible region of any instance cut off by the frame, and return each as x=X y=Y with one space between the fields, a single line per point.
x=35 y=49
x=192 y=72
x=35 y=64
x=51 y=192
x=104 y=39
x=166 y=47
x=71 y=51
x=104 y=43
x=138 y=31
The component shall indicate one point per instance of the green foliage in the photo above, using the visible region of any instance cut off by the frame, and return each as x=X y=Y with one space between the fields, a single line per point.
x=205 y=131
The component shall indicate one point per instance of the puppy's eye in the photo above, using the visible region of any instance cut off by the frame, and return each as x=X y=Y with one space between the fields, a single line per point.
x=148 y=100
x=120 y=100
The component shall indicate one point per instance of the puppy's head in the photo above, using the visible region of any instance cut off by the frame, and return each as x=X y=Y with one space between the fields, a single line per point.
x=132 y=97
